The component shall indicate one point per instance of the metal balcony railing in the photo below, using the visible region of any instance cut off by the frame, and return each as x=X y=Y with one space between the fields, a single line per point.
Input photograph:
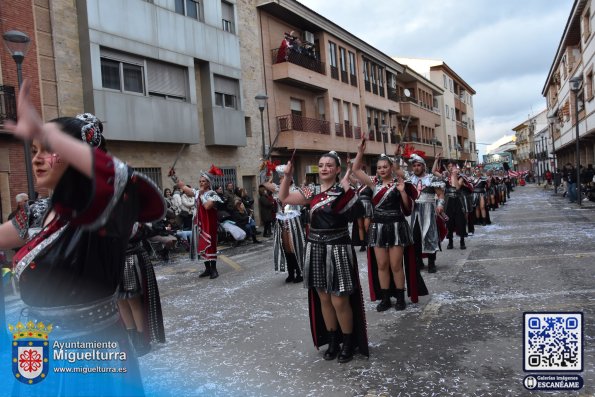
x=334 y=72
x=300 y=58
x=8 y=104
x=357 y=132
x=300 y=123
x=338 y=129
x=353 y=79
x=348 y=130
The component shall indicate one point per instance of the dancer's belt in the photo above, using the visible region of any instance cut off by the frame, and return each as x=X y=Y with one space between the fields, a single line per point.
x=389 y=216
x=426 y=198
x=327 y=235
x=479 y=190
x=77 y=320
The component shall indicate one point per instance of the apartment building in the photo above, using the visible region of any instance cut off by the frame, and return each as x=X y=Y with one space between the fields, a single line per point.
x=165 y=76
x=457 y=124
x=534 y=151
x=328 y=88
x=569 y=89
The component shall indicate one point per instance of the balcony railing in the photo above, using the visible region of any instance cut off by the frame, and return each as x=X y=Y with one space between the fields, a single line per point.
x=348 y=130
x=338 y=129
x=393 y=95
x=357 y=132
x=334 y=72
x=344 y=76
x=301 y=123
x=353 y=79
x=306 y=60
x=8 y=105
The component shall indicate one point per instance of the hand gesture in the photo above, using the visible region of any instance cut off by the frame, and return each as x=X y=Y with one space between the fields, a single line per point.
x=439 y=210
x=288 y=170
x=29 y=124
x=400 y=184
x=439 y=155
x=362 y=146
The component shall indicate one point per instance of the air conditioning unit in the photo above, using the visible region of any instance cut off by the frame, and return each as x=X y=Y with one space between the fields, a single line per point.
x=308 y=37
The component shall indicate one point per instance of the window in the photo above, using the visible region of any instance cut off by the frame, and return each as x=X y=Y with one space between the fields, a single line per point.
x=445 y=81
x=227 y=16
x=332 y=48
x=153 y=173
x=452 y=113
x=226 y=92
x=380 y=81
x=122 y=72
x=450 y=84
x=190 y=8
x=321 y=108
x=166 y=80
x=586 y=24
x=248 y=126
x=229 y=175
x=355 y=114
x=342 y=59
x=336 y=105
x=447 y=112
x=295 y=106
x=352 y=63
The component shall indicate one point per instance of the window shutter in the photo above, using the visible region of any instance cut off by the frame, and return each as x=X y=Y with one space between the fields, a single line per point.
x=166 y=79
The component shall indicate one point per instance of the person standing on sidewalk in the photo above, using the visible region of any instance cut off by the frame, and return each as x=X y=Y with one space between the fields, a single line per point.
x=330 y=264
x=428 y=206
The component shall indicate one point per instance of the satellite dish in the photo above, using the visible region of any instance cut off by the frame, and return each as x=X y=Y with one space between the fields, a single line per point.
x=407 y=92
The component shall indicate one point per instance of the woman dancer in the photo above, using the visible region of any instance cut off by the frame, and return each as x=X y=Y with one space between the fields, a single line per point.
x=389 y=232
x=330 y=265
x=73 y=246
x=289 y=236
x=480 y=196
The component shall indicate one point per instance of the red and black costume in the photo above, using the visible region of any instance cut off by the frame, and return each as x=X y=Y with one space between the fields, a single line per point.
x=330 y=263
x=70 y=269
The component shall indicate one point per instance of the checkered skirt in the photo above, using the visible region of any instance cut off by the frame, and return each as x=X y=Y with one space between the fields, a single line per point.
x=387 y=235
x=329 y=266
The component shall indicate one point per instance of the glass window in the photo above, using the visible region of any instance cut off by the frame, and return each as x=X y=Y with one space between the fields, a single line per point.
x=179 y=4
x=447 y=112
x=352 y=63
x=110 y=74
x=192 y=9
x=342 y=59
x=133 y=78
x=227 y=16
x=332 y=53
x=219 y=99
x=230 y=101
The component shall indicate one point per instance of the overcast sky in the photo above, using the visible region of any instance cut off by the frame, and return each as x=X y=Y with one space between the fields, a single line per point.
x=503 y=48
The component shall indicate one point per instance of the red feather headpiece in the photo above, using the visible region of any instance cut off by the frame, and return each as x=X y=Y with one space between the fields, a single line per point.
x=215 y=171
x=410 y=149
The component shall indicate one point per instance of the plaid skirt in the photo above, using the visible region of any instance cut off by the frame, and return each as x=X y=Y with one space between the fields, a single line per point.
x=386 y=235
x=329 y=262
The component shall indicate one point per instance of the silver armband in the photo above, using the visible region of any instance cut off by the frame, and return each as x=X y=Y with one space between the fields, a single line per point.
x=440 y=203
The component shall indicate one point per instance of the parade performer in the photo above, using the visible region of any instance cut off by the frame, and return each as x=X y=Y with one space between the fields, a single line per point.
x=330 y=264
x=427 y=212
x=204 y=222
x=288 y=233
x=454 y=206
x=138 y=295
x=480 y=196
x=492 y=190
x=74 y=244
x=363 y=222
x=389 y=232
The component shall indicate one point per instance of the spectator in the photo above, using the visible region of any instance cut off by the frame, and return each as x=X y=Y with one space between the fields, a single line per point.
x=161 y=233
x=587 y=174
x=242 y=219
x=247 y=200
x=265 y=207
x=230 y=196
x=172 y=208
x=20 y=199
x=187 y=209
x=571 y=182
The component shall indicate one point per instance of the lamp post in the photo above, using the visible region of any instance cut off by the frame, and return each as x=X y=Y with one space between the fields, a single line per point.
x=17 y=44
x=575 y=86
x=261 y=99
x=384 y=131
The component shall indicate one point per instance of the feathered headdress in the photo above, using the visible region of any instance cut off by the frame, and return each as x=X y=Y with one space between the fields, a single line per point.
x=269 y=166
x=409 y=150
x=213 y=171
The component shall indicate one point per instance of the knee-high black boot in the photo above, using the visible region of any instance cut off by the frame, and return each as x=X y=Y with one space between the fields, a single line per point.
x=290 y=268
x=296 y=267
x=432 y=263
x=400 y=305
x=333 y=346
x=463 y=243
x=214 y=272
x=207 y=271
x=346 y=354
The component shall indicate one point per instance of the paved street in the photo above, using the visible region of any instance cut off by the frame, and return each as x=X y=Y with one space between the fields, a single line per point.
x=246 y=333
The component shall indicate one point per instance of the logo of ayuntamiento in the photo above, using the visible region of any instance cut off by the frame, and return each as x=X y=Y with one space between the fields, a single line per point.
x=30 y=351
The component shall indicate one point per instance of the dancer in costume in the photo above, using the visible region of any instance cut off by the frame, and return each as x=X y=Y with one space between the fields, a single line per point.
x=204 y=223
x=454 y=205
x=427 y=212
x=330 y=264
x=363 y=222
x=389 y=232
x=480 y=196
x=74 y=244
x=288 y=233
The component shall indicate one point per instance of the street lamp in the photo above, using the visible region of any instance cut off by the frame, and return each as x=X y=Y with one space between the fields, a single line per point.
x=261 y=99
x=575 y=85
x=17 y=43
x=384 y=131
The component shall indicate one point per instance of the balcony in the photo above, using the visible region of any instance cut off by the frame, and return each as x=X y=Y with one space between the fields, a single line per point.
x=338 y=129
x=460 y=105
x=334 y=72
x=301 y=123
x=299 y=70
x=8 y=105
x=353 y=79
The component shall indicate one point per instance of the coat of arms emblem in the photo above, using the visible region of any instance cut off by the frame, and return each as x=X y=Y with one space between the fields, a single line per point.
x=30 y=351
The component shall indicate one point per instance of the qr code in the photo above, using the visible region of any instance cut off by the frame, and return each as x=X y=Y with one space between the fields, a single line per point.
x=553 y=341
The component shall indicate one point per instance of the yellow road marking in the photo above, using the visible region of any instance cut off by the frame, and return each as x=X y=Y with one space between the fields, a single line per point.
x=230 y=262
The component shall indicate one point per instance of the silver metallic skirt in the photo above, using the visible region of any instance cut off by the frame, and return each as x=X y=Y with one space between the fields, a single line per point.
x=387 y=235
